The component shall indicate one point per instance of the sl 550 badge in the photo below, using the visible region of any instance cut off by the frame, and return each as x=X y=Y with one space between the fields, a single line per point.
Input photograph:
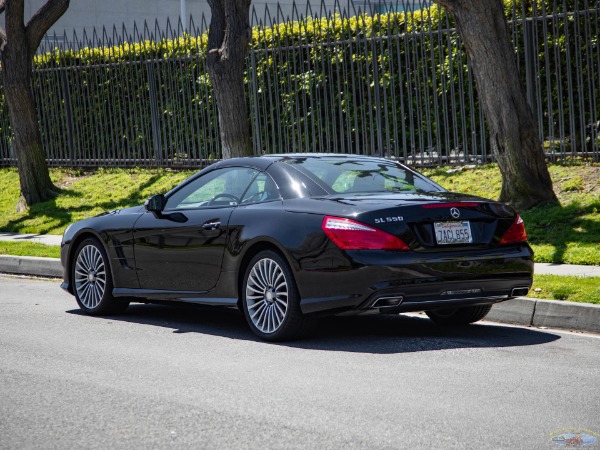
x=389 y=219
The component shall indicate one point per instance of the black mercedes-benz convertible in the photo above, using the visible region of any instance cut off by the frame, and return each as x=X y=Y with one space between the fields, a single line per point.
x=287 y=238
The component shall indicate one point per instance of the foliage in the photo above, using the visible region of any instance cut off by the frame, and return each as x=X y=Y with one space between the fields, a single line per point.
x=557 y=47
x=147 y=100
x=386 y=83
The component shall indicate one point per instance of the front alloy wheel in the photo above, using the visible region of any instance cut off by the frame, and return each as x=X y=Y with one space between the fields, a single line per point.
x=92 y=281
x=271 y=301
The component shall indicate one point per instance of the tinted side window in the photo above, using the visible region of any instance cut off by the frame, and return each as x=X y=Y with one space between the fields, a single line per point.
x=261 y=189
x=220 y=187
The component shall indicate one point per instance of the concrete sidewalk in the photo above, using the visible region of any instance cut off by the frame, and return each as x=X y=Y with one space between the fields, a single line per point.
x=48 y=239
x=522 y=311
x=567 y=270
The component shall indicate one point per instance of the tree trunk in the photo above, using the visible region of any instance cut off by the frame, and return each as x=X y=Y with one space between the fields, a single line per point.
x=36 y=185
x=228 y=39
x=514 y=136
x=17 y=48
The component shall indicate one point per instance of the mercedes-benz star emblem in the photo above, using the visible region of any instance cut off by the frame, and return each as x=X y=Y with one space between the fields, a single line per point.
x=454 y=212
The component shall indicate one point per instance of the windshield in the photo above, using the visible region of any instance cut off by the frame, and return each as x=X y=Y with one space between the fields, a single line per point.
x=341 y=175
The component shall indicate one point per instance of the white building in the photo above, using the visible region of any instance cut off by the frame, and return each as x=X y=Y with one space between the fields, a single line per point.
x=89 y=14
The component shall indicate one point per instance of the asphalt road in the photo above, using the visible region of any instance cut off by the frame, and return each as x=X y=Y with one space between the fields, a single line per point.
x=172 y=377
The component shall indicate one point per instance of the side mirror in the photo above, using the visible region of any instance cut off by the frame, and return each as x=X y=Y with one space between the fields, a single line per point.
x=156 y=203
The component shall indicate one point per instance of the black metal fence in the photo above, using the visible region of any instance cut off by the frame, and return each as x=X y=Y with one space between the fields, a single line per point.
x=384 y=79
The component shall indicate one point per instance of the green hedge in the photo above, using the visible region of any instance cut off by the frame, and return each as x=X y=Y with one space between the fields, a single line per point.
x=395 y=82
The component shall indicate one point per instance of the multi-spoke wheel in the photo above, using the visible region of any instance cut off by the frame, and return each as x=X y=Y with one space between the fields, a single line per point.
x=459 y=316
x=92 y=280
x=270 y=298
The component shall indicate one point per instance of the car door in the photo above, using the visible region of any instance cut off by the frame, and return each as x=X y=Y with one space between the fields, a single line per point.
x=181 y=249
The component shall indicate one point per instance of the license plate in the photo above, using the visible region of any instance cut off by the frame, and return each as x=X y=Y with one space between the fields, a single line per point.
x=453 y=232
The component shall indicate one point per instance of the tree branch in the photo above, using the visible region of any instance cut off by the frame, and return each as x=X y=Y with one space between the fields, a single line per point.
x=42 y=20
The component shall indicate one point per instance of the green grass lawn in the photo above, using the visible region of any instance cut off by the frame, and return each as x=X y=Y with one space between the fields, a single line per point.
x=29 y=249
x=573 y=289
x=565 y=233
x=83 y=194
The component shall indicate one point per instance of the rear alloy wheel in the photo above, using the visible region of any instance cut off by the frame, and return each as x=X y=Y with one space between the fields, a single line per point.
x=92 y=280
x=270 y=298
x=459 y=316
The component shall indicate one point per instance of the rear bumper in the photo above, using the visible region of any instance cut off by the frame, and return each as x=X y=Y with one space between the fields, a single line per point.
x=420 y=298
x=447 y=295
x=414 y=283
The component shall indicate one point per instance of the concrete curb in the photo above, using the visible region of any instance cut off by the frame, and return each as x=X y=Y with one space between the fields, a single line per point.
x=570 y=315
x=30 y=265
x=548 y=313
x=519 y=311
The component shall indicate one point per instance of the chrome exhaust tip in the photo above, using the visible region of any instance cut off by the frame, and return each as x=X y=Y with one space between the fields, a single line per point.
x=519 y=292
x=387 y=302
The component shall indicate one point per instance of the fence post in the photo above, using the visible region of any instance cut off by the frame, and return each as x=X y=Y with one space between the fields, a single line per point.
x=68 y=114
x=154 y=112
x=530 y=54
x=254 y=113
x=376 y=85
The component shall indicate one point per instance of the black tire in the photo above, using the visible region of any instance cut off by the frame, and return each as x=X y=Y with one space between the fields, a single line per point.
x=92 y=280
x=270 y=299
x=459 y=316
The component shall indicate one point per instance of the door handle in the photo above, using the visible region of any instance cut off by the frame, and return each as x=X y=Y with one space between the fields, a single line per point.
x=211 y=225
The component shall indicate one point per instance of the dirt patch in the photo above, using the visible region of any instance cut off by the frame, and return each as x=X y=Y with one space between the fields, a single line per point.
x=68 y=180
x=591 y=179
x=585 y=179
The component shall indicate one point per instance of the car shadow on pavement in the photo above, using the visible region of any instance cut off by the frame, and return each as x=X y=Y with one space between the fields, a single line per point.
x=379 y=334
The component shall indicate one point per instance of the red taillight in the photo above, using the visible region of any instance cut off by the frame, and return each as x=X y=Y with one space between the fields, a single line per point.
x=352 y=235
x=516 y=233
